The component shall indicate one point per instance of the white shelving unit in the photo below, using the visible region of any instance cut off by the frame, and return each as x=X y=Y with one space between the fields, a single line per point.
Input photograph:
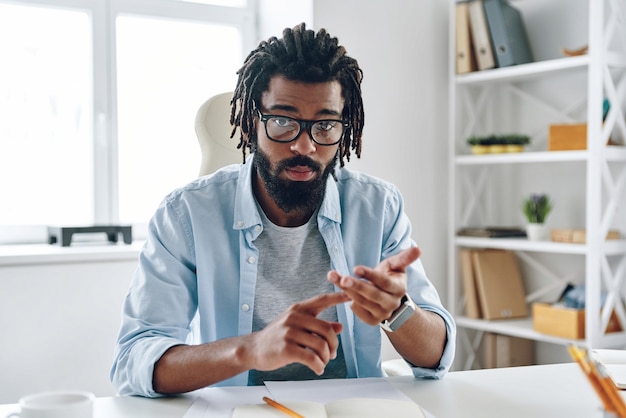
x=588 y=187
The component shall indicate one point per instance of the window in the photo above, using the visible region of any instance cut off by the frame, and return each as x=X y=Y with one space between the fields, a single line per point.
x=98 y=101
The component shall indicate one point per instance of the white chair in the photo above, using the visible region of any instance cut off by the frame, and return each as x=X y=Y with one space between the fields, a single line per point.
x=213 y=131
x=397 y=367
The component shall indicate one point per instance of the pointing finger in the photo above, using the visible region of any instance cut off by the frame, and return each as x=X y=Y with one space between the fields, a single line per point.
x=318 y=303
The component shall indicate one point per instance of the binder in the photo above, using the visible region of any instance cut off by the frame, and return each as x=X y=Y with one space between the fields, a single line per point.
x=508 y=35
x=465 y=61
x=499 y=283
x=480 y=36
x=472 y=307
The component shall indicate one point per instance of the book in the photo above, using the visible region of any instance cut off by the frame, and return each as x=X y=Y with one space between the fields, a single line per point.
x=499 y=283
x=507 y=32
x=492 y=232
x=480 y=35
x=506 y=351
x=343 y=408
x=465 y=61
x=472 y=307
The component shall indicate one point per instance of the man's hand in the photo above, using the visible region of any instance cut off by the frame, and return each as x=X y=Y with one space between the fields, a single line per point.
x=298 y=336
x=375 y=298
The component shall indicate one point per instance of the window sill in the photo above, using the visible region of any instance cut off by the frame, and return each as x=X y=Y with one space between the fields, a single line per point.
x=15 y=255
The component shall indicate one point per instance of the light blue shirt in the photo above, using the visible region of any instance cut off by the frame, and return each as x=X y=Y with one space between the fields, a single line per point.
x=200 y=258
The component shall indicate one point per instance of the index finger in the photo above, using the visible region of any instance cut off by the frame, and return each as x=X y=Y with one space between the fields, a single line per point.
x=400 y=261
x=318 y=303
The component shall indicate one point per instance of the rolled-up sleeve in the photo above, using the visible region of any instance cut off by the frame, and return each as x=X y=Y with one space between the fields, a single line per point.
x=159 y=305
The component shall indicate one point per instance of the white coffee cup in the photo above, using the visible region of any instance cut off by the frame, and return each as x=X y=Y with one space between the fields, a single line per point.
x=56 y=404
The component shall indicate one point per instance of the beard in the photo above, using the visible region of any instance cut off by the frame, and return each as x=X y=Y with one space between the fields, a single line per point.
x=293 y=196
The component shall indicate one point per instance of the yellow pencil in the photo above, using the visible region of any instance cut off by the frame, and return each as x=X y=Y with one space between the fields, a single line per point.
x=605 y=380
x=579 y=357
x=282 y=408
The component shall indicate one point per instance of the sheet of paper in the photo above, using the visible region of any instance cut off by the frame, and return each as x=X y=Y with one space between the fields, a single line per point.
x=326 y=390
x=219 y=402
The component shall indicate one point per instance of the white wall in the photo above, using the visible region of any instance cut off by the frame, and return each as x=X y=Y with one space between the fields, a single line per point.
x=59 y=323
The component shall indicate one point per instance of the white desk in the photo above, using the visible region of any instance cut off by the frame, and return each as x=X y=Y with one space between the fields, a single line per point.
x=559 y=390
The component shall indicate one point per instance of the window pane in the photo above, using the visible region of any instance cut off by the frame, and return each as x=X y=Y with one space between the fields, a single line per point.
x=166 y=70
x=46 y=160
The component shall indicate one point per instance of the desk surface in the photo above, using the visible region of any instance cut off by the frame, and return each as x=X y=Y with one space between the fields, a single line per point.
x=534 y=391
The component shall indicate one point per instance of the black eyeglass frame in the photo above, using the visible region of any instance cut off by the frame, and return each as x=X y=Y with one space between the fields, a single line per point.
x=303 y=124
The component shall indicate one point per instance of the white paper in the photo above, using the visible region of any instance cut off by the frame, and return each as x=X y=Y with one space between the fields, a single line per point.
x=219 y=402
x=326 y=390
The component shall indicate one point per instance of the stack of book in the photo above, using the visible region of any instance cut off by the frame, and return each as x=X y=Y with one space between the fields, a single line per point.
x=489 y=34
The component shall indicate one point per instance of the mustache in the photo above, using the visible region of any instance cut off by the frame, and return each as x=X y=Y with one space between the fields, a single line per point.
x=300 y=160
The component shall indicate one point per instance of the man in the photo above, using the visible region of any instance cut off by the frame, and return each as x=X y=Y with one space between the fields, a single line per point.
x=289 y=262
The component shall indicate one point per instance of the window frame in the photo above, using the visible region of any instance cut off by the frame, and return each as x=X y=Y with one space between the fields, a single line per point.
x=105 y=124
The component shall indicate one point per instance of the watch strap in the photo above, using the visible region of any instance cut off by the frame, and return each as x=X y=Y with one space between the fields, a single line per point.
x=400 y=315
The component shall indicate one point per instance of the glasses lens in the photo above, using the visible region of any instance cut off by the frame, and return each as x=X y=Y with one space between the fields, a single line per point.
x=327 y=131
x=282 y=129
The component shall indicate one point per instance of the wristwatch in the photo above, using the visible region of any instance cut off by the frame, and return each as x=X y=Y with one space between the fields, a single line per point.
x=400 y=315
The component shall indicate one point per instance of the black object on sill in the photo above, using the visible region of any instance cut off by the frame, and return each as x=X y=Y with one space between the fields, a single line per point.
x=63 y=234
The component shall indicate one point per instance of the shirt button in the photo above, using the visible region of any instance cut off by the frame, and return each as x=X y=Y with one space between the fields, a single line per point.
x=251 y=260
x=257 y=228
x=245 y=307
x=240 y=223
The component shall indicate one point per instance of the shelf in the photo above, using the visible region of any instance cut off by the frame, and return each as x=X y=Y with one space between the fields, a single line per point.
x=522 y=157
x=524 y=71
x=612 y=153
x=589 y=185
x=613 y=247
x=523 y=328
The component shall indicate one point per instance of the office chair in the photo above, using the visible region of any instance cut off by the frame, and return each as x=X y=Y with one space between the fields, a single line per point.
x=213 y=131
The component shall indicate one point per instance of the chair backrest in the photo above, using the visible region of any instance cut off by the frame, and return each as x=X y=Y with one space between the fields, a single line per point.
x=213 y=129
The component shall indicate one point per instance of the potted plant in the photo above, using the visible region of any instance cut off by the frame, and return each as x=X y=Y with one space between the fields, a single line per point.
x=495 y=144
x=536 y=208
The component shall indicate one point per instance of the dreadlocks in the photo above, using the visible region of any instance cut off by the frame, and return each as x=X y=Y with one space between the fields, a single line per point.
x=301 y=55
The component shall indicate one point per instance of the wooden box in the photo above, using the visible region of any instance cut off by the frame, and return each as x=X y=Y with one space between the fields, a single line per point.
x=578 y=236
x=567 y=137
x=564 y=322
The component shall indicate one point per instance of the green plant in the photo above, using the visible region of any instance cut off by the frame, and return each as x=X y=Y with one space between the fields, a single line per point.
x=536 y=208
x=505 y=139
x=479 y=140
x=516 y=139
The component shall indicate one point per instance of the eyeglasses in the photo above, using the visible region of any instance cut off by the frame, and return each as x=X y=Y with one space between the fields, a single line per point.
x=285 y=129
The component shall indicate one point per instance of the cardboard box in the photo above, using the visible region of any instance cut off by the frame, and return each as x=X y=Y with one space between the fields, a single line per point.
x=567 y=137
x=565 y=322
x=504 y=351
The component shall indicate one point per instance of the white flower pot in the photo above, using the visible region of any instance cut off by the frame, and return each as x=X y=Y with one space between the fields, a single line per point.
x=536 y=232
